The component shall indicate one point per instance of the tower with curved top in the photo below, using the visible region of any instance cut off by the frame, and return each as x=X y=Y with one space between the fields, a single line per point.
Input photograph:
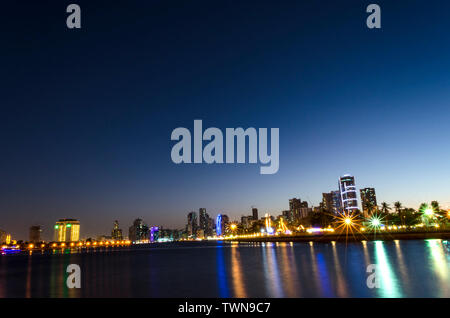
x=347 y=190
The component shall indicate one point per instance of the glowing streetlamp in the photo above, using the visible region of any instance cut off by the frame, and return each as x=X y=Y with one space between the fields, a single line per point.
x=429 y=212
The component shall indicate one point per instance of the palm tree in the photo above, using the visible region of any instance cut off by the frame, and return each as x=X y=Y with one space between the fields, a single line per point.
x=441 y=214
x=398 y=208
x=369 y=207
x=385 y=209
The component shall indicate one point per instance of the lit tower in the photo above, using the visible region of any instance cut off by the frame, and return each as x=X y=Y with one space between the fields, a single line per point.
x=67 y=230
x=347 y=190
x=219 y=229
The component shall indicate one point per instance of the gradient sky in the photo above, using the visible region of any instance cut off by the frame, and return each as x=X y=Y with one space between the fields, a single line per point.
x=87 y=114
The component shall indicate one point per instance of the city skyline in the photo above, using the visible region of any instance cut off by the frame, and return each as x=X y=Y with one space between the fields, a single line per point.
x=86 y=121
x=232 y=217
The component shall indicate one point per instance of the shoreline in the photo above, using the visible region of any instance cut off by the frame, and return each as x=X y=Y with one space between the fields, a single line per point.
x=350 y=237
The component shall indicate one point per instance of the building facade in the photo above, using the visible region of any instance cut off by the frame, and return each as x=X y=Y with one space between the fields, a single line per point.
x=116 y=233
x=347 y=190
x=35 y=233
x=192 y=224
x=138 y=232
x=255 y=214
x=368 y=201
x=67 y=230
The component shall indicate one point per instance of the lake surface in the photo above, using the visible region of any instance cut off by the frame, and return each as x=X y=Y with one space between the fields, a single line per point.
x=418 y=268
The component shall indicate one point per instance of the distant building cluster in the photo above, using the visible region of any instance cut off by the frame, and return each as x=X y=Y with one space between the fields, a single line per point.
x=201 y=225
x=344 y=200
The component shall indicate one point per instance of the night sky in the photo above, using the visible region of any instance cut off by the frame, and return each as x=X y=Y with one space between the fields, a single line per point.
x=87 y=114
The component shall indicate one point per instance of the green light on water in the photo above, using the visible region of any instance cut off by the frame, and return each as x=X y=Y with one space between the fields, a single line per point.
x=56 y=227
x=69 y=225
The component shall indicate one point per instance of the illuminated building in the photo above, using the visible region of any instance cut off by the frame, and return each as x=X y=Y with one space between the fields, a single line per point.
x=225 y=222
x=116 y=233
x=327 y=201
x=295 y=208
x=3 y=237
x=35 y=233
x=203 y=219
x=336 y=197
x=368 y=197
x=255 y=214
x=154 y=234
x=219 y=231
x=67 y=230
x=347 y=191
x=304 y=212
x=331 y=202
x=245 y=221
x=192 y=224
x=286 y=215
x=138 y=232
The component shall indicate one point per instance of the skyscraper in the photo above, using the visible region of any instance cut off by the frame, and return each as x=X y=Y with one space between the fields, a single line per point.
x=368 y=200
x=255 y=214
x=327 y=201
x=116 y=233
x=203 y=219
x=67 y=230
x=337 y=205
x=192 y=224
x=295 y=208
x=347 y=190
x=35 y=233
x=139 y=231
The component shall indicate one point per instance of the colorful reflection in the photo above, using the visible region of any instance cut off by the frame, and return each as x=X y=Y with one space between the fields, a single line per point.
x=271 y=274
x=236 y=273
x=440 y=265
x=384 y=271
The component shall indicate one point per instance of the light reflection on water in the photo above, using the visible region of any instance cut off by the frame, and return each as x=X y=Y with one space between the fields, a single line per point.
x=404 y=269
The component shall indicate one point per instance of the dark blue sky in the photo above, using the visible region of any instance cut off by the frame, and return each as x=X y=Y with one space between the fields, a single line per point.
x=87 y=114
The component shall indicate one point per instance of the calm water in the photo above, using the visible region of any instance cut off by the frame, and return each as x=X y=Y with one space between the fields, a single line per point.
x=406 y=269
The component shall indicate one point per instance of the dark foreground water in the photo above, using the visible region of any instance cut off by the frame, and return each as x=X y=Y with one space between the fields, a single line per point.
x=404 y=269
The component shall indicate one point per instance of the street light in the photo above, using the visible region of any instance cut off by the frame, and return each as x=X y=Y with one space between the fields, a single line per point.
x=429 y=212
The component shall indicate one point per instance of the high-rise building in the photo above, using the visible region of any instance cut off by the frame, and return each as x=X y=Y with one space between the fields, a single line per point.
x=255 y=214
x=139 y=231
x=219 y=225
x=336 y=197
x=2 y=237
x=225 y=220
x=154 y=234
x=35 y=233
x=368 y=199
x=331 y=202
x=327 y=201
x=295 y=206
x=304 y=212
x=192 y=224
x=286 y=215
x=203 y=219
x=67 y=230
x=116 y=233
x=210 y=228
x=347 y=191
x=245 y=221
